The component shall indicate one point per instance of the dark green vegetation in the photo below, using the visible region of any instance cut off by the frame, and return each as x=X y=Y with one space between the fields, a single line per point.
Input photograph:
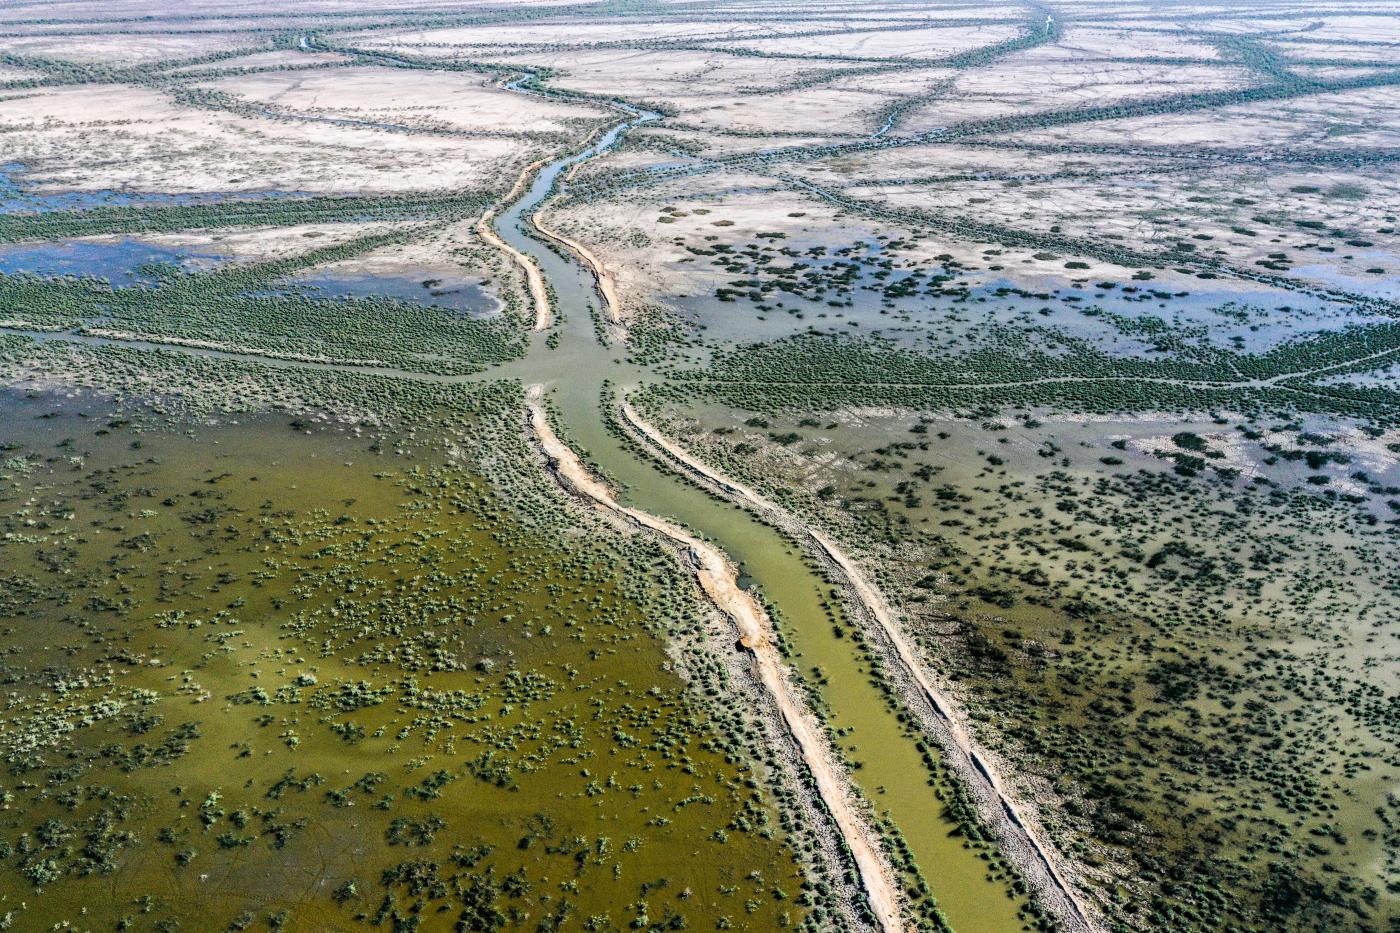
x=382 y=699
x=945 y=345
x=231 y=212
x=232 y=309
x=820 y=371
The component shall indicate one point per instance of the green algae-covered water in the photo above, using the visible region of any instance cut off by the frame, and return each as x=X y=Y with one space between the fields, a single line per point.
x=264 y=679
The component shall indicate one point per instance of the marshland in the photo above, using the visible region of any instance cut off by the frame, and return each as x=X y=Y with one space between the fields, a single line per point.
x=707 y=466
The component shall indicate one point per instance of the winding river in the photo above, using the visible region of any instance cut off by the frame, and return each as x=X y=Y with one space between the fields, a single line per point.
x=583 y=375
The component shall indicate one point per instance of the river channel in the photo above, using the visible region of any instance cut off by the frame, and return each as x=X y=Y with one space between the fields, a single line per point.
x=583 y=373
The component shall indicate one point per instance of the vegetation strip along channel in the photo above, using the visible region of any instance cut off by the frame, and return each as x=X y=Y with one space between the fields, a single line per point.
x=929 y=826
